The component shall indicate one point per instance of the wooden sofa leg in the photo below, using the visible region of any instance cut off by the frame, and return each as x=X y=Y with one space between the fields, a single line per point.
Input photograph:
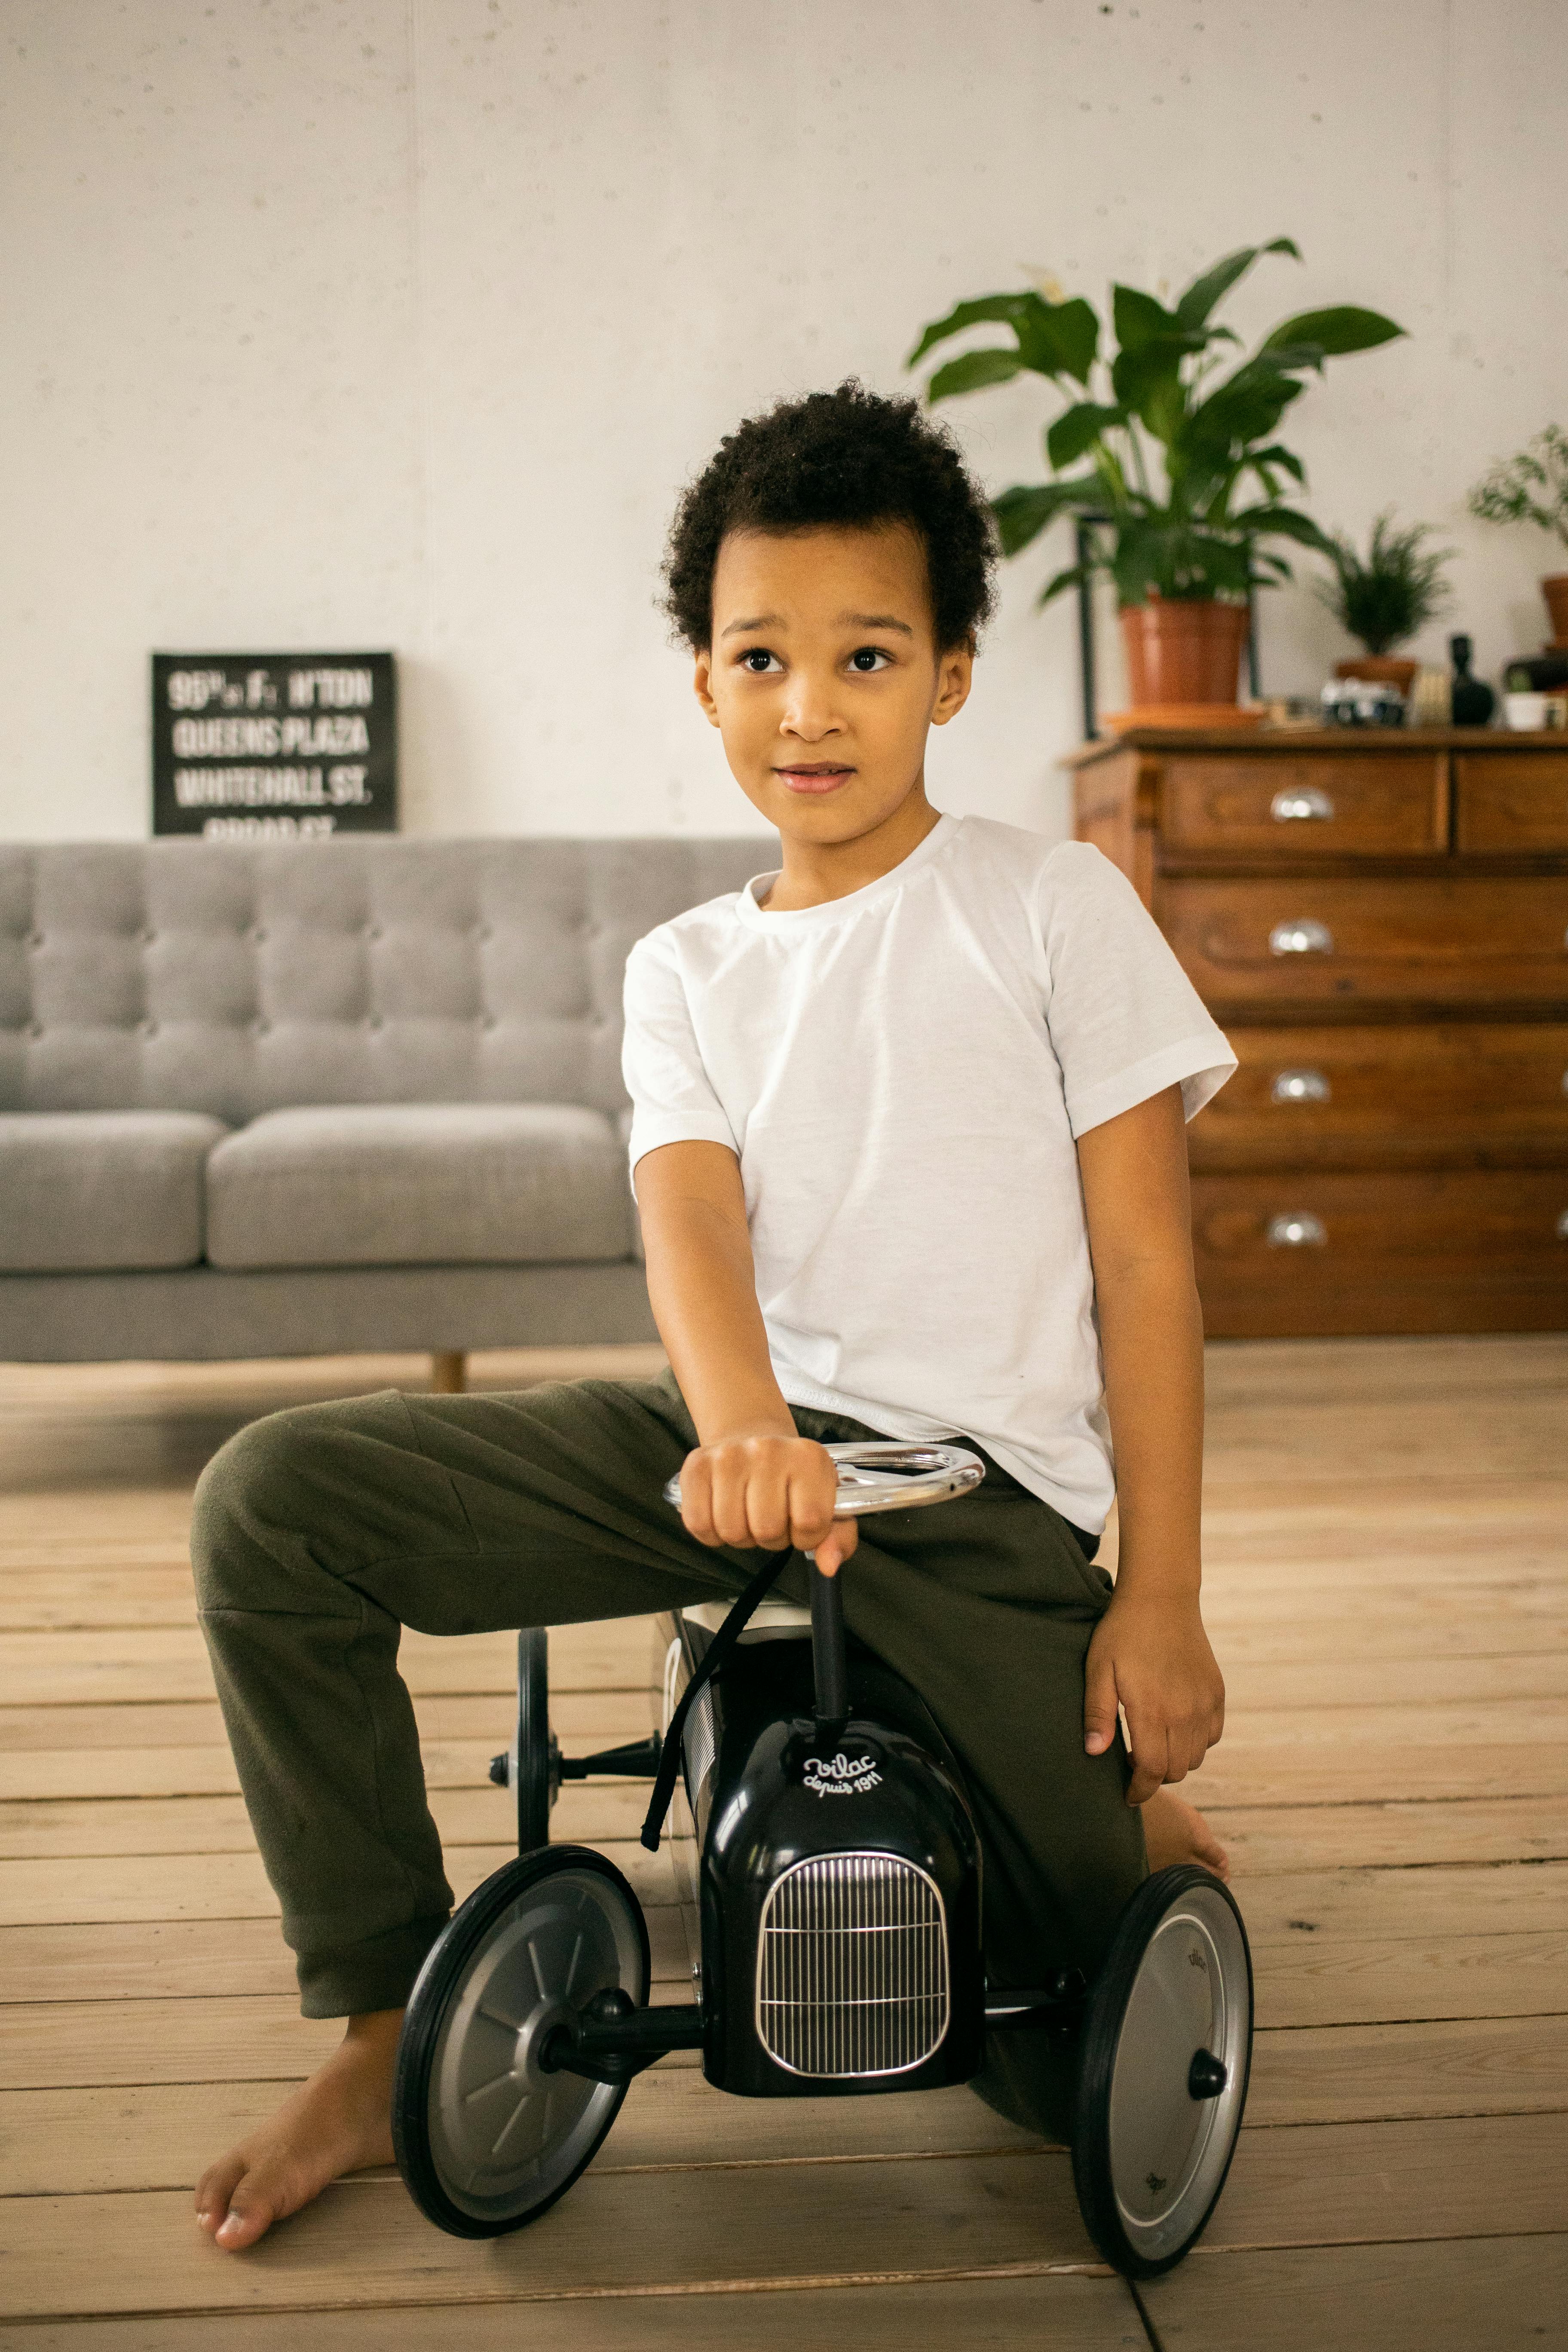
x=449 y=1373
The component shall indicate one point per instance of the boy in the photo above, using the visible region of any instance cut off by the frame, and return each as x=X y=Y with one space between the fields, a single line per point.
x=907 y=1151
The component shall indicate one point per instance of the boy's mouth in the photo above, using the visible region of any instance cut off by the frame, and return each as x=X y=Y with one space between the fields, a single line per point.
x=814 y=776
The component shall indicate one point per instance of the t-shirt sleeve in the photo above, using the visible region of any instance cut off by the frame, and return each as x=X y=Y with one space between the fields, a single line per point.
x=1124 y=1019
x=673 y=1100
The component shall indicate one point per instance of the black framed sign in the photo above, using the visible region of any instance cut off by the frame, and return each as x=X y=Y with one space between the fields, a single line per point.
x=274 y=746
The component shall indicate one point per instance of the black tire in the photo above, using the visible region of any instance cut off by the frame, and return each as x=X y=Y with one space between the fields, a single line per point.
x=533 y=1781
x=482 y=2001
x=1151 y=2152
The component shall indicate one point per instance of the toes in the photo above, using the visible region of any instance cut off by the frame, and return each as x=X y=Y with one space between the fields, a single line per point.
x=238 y=2201
x=213 y=2190
x=250 y=2216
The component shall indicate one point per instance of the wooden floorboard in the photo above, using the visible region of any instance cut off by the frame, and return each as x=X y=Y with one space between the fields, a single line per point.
x=1496 y=2295
x=579 y=1717
x=689 y=2229
x=1387 y=1588
x=170 y=1960
x=154 y=2135
x=1067 y=2313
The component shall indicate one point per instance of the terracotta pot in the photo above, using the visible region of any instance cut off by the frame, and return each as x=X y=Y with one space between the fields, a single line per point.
x=1179 y=651
x=1555 y=588
x=1380 y=670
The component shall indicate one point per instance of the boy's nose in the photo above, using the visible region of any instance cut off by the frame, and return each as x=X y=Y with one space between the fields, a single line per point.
x=808 y=716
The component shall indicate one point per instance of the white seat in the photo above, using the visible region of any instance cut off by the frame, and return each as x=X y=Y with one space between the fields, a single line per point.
x=775 y=1620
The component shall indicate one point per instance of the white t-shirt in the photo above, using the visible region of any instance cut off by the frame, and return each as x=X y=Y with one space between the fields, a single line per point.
x=901 y=1073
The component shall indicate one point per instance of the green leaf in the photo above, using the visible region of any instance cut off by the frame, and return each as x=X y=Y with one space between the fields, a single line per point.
x=1054 y=338
x=1242 y=410
x=1333 y=331
x=1198 y=301
x=972 y=371
x=1286 y=523
x=1139 y=319
x=1024 y=511
x=1146 y=374
x=1075 y=576
x=1287 y=359
x=1277 y=454
x=1148 y=382
x=989 y=310
x=1179 y=559
x=1059 y=338
x=1077 y=428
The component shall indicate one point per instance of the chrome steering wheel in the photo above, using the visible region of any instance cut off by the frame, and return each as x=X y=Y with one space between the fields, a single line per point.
x=893 y=1476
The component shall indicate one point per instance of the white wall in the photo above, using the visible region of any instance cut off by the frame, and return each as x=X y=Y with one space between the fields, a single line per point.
x=361 y=323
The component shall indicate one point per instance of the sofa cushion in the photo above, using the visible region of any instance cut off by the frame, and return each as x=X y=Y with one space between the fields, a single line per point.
x=419 y=1184
x=81 y=1190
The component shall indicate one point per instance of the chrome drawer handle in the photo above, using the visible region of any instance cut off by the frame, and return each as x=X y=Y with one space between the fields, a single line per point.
x=1300 y=1085
x=1301 y=1231
x=1302 y=801
x=1563 y=1225
x=1304 y=938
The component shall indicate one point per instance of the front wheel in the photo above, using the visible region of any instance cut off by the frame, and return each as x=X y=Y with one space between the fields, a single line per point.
x=487 y=2138
x=1166 y=2052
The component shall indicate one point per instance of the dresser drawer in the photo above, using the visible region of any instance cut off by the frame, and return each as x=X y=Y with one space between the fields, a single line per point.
x=1456 y=1095
x=1477 y=1250
x=1511 y=801
x=1275 y=806
x=1420 y=939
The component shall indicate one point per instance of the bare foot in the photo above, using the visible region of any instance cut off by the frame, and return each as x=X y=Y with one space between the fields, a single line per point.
x=340 y=2121
x=1175 y=1830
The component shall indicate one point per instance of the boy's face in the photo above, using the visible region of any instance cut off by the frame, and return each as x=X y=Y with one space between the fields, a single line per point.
x=824 y=675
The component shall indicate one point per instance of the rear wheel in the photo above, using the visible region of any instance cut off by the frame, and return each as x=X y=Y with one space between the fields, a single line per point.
x=487 y=2138
x=1167 y=2051
x=535 y=1762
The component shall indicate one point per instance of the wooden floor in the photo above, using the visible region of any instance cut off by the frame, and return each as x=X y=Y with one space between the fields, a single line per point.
x=1388 y=1589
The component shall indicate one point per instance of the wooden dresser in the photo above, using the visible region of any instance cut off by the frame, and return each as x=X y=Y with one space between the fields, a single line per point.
x=1379 y=924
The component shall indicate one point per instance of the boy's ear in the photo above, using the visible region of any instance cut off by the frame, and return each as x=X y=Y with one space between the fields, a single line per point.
x=702 y=684
x=954 y=677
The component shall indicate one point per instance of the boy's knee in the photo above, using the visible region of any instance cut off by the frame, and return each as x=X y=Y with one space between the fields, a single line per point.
x=259 y=1478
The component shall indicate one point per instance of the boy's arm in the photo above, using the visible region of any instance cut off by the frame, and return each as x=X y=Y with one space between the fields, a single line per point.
x=751 y=1480
x=1149 y=1652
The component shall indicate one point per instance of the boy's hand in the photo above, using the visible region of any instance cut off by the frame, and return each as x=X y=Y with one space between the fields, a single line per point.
x=1153 y=1659
x=767 y=1493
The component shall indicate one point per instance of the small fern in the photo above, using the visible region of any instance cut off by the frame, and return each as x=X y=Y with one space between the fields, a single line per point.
x=1385 y=598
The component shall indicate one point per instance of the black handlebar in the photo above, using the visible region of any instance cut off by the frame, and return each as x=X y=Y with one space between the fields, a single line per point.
x=830 y=1665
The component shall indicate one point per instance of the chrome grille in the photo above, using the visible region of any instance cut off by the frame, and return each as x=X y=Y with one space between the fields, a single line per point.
x=852 y=1966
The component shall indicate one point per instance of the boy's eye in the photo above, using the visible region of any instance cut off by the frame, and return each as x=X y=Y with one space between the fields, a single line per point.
x=868 y=660
x=756 y=659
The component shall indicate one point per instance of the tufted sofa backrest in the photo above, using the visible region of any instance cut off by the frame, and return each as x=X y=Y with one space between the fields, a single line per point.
x=236 y=978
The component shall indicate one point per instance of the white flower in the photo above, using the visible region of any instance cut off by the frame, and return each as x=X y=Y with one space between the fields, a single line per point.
x=1048 y=287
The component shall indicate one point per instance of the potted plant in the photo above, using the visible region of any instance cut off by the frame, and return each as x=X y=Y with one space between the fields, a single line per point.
x=1183 y=533
x=1384 y=597
x=1533 y=488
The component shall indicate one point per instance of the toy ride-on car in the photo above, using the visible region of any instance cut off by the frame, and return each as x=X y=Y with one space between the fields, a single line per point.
x=829 y=1871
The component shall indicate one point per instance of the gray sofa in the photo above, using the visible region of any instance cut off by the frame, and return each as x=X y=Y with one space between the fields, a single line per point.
x=310 y=1099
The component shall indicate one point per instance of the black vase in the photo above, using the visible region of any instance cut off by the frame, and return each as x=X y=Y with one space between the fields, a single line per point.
x=1474 y=700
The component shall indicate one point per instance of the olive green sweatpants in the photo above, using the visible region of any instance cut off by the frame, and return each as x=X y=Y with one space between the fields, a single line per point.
x=319 y=1533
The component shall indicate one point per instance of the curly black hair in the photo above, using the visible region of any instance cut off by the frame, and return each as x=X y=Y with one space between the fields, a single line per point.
x=846 y=458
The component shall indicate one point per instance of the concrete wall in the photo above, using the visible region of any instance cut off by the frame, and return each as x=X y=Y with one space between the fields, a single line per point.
x=361 y=323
